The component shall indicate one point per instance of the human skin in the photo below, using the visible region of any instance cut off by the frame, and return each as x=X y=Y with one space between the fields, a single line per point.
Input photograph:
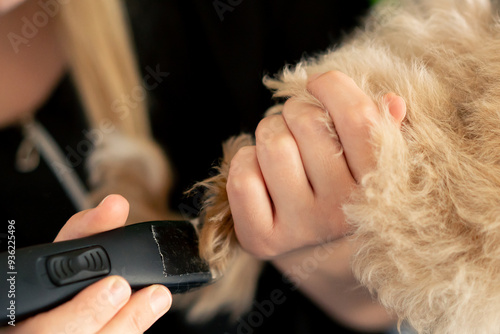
x=286 y=193
x=107 y=306
x=29 y=72
x=28 y=77
x=8 y=5
x=284 y=234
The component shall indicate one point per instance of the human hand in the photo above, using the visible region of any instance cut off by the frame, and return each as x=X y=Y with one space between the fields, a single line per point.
x=106 y=306
x=287 y=191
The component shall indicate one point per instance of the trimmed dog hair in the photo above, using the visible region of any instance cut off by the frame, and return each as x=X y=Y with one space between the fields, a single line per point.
x=426 y=220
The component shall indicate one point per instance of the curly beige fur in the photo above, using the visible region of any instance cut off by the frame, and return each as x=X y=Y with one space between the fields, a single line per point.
x=427 y=219
x=237 y=271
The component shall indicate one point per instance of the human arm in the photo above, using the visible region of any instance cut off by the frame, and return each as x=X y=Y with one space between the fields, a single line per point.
x=286 y=192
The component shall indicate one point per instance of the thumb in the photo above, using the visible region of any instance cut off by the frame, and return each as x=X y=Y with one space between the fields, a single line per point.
x=111 y=213
x=397 y=107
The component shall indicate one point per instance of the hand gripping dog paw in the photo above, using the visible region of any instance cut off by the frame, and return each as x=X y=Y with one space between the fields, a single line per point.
x=426 y=219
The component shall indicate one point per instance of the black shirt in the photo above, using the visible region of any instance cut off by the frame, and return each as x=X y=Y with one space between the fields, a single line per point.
x=215 y=53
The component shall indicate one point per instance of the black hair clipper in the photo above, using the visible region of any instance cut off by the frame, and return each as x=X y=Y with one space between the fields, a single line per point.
x=44 y=276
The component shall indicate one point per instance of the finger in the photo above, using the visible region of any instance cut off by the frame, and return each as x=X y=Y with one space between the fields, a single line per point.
x=397 y=107
x=144 y=308
x=353 y=114
x=281 y=166
x=111 y=213
x=88 y=311
x=321 y=154
x=251 y=207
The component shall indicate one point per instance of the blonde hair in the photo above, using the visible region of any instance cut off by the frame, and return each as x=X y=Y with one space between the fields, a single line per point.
x=97 y=42
x=96 y=39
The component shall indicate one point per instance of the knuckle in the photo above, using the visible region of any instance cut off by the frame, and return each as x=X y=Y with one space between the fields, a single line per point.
x=244 y=154
x=362 y=117
x=305 y=119
x=239 y=175
x=283 y=143
x=330 y=76
x=276 y=145
x=269 y=127
x=264 y=124
x=367 y=109
x=309 y=123
x=336 y=76
x=235 y=185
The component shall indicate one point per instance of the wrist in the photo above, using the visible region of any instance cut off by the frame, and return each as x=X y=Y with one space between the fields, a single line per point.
x=323 y=273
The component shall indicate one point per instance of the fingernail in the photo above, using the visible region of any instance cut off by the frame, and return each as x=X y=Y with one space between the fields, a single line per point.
x=103 y=200
x=119 y=292
x=160 y=299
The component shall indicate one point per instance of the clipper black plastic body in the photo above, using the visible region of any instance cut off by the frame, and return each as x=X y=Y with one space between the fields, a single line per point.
x=160 y=252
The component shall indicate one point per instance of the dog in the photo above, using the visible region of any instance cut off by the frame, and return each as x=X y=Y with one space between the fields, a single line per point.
x=426 y=220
